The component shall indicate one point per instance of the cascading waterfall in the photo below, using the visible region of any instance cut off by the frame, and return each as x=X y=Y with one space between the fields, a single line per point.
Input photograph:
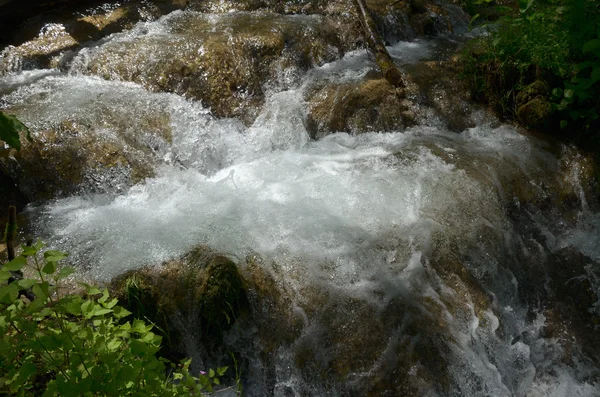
x=412 y=259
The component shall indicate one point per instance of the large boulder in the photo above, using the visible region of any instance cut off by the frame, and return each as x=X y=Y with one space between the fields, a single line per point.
x=227 y=58
x=71 y=158
x=368 y=105
x=83 y=20
x=83 y=141
x=533 y=104
x=437 y=87
x=192 y=299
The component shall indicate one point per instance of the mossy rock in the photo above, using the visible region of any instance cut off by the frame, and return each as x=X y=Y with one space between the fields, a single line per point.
x=437 y=86
x=228 y=58
x=199 y=295
x=70 y=158
x=220 y=292
x=571 y=310
x=272 y=305
x=533 y=105
x=369 y=105
x=535 y=113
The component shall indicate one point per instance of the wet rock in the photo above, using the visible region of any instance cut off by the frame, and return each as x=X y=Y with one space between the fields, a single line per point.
x=577 y=180
x=436 y=85
x=227 y=58
x=368 y=105
x=271 y=304
x=409 y=19
x=572 y=313
x=533 y=105
x=398 y=348
x=192 y=300
x=75 y=156
x=41 y=40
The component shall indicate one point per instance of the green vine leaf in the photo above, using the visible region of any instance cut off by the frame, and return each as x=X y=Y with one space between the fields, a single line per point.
x=10 y=127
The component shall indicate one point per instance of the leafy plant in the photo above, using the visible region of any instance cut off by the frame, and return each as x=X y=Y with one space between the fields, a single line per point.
x=10 y=127
x=80 y=344
x=579 y=100
x=555 y=42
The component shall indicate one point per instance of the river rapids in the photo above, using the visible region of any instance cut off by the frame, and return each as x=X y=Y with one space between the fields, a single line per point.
x=414 y=261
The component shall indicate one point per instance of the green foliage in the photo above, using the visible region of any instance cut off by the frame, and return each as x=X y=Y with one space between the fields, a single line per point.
x=579 y=101
x=555 y=41
x=10 y=127
x=80 y=345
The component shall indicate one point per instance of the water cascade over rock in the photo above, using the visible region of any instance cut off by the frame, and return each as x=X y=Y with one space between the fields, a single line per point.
x=373 y=243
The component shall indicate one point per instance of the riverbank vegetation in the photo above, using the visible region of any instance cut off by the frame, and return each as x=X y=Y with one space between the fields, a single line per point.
x=539 y=64
x=58 y=342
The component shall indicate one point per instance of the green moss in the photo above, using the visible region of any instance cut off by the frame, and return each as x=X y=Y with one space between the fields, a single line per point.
x=202 y=291
x=220 y=293
x=534 y=113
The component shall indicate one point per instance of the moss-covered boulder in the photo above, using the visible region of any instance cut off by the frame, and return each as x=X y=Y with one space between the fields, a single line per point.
x=227 y=58
x=437 y=87
x=368 y=105
x=70 y=158
x=84 y=152
x=192 y=299
x=533 y=105
x=272 y=306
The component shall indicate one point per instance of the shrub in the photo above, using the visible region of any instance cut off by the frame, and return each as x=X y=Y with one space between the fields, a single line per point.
x=553 y=41
x=71 y=344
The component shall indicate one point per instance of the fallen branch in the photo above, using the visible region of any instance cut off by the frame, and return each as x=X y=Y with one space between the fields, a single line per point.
x=389 y=69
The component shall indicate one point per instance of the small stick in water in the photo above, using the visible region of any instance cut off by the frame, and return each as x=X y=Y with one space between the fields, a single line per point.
x=10 y=232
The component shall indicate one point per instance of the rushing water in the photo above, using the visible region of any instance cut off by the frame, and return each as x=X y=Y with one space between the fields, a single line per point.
x=363 y=229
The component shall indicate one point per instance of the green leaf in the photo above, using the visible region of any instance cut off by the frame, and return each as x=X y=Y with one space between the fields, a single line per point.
x=139 y=326
x=36 y=305
x=4 y=275
x=16 y=264
x=93 y=291
x=563 y=124
x=49 y=268
x=33 y=249
x=42 y=290
x=9 y=293
x=26 y=283
x=114 y=344
x=120 y=312
x=73 y=307
x=112 y=303
x=101 y=312
x=104 y=296
x=568 y=93
x=10 y=127
x=25 y=372
x=54 y=256
x=211 y=373
x=591 y=45
x=65 y=272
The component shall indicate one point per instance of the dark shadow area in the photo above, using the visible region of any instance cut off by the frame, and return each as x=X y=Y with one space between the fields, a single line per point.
x=22 y=20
